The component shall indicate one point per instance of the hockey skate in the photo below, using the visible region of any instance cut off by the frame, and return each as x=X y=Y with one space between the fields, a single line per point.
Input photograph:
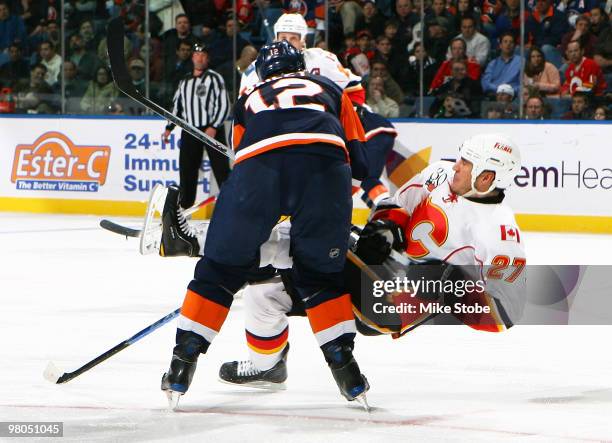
x=352 y=383
x=244 y=373
x=178 y=237
x=176 y=381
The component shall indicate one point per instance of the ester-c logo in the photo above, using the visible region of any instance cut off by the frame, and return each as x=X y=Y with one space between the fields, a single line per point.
x=54 y=163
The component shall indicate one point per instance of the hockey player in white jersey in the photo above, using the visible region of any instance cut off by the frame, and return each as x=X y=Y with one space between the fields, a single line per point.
x=293 y=28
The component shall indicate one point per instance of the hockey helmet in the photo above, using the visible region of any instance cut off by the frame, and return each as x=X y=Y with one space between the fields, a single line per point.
x=293 y=23
x=492 y=152
x=278 y=58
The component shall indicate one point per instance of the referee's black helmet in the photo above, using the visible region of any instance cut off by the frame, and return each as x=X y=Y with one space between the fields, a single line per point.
x=278 y=58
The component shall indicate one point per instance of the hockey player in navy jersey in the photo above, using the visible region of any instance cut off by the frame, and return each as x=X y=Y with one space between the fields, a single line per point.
x=297 y=139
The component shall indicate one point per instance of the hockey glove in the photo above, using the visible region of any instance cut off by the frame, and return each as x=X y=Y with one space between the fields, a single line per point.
x=377 y=239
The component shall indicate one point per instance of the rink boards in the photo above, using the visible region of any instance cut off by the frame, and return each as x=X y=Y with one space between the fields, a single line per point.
x=108 y=166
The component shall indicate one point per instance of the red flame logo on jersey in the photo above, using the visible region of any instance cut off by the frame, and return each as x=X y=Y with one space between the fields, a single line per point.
x=429 y=213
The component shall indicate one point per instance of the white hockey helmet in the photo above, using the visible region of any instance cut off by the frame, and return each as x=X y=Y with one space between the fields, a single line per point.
x=293 y=23
x=492 y=152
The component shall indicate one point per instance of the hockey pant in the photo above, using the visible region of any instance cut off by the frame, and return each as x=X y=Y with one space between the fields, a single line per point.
x=315 y=191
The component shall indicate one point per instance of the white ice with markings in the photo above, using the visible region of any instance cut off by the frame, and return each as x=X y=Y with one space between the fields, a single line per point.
x=69 y=291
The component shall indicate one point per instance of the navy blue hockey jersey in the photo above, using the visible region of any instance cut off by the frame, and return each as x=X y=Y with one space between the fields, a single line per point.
x=297 y=110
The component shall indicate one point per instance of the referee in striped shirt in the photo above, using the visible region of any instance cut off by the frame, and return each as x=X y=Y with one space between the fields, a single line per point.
x=201 y=99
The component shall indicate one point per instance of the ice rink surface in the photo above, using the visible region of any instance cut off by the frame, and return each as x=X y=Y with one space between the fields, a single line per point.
x=70 y=291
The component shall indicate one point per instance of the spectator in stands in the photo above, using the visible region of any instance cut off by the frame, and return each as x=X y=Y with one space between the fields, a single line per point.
x=397 y=44
x=392 y=89
x=410 y=74
x=371 y=19
x=546 y=25
x=222 y=49
x=183 y=65
x=437 y=41
x=603 y=53
x=575 y=7
x=51 y=60
x=580 y=107
x=582 y=74
x=34 y=95
x=458 y=48
x=15 y=69
x=599 y=21
x=100 y=93
x=450 y=105
x=495 y=111
x=509 y=18
x=45 y=31
x=505 y=97
x=466 y=8
x=85 y=61
x=86 y=31
x=460 y=83
x=505 y=69
x=582 y=33
x=601 y=113
x=535 y=108
x=12 y=29
x=171 y=38
x=540 y=76
x=478 y=46
x=31 y=12
x=349 y=11
x=490 y=11
x=383 y=52
x=136 y=68
x=379 y=102
x=406 y=19
x=364 y=44
x=438 y=10
x=74 y=88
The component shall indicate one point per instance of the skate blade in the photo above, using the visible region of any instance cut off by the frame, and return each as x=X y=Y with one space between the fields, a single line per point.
x=263 y=385
x=173 y=399
x=363 y=401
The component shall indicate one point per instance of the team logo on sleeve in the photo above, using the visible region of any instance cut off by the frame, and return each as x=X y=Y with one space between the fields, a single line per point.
x=435 y=179
x=510 y=233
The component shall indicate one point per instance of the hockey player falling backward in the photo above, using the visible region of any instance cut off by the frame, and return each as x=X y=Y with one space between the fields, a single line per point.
x=449 y=213
x=294 y=135
x=380 y=133
x=452 y=213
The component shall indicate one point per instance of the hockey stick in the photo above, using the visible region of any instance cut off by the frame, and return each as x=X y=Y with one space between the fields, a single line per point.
x=53 y=374
x=114 y=37
x=126 y=231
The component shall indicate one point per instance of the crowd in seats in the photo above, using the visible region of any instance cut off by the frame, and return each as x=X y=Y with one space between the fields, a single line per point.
x=461 y=60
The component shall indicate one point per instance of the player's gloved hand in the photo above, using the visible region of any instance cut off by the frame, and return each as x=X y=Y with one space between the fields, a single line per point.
x=377 y=239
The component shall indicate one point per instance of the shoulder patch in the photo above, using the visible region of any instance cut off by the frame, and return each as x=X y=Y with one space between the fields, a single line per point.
x=436 y=178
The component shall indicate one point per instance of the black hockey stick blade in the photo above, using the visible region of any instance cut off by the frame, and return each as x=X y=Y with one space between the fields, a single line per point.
x=55 y=375
x=114 y=37
x=119 y=229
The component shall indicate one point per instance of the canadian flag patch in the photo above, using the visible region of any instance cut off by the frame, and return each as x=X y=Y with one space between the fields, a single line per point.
x=510 y=233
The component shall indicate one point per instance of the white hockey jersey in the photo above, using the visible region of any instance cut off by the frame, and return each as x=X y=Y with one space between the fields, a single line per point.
x=318 y=62
x=481 y=232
